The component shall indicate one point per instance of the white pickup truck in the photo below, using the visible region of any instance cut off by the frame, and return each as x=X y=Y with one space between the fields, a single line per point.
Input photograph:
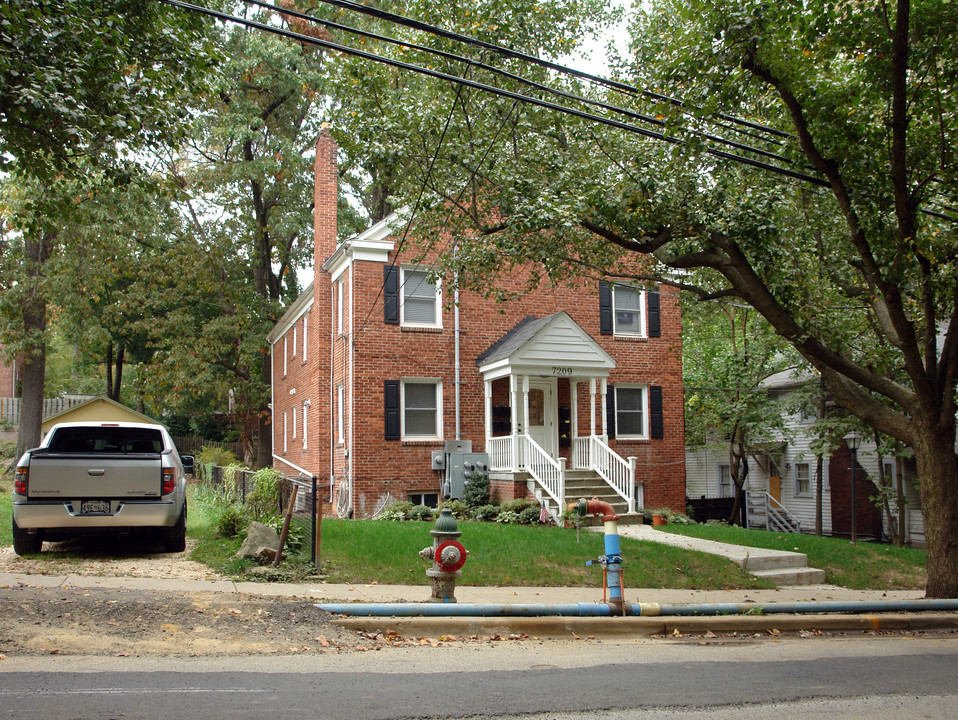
x=100 y=477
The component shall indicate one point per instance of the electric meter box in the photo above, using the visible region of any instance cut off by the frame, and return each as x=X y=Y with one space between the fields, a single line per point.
x=460 y=466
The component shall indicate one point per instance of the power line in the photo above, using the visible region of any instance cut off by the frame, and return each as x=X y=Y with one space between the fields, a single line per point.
x=627 y=127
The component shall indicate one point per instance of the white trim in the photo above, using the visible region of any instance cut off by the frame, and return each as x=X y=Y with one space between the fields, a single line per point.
x=437 y=297
x=435 y=382
x=340 y=414
x=305 y=335
x=340 y=311
x=285 y=445
x=283 y=460
x=644 y=388
x=643 y=310
x=285 y=354
x=305 y=422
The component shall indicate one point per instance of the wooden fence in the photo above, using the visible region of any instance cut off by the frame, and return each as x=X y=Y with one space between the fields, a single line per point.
x=10 y=408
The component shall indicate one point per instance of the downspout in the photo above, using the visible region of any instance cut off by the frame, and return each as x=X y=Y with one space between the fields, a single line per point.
x=332 y=388
x=352 y=380
x=458 y=380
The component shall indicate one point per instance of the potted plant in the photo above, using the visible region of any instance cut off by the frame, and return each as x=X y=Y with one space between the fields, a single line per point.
x=660 y=517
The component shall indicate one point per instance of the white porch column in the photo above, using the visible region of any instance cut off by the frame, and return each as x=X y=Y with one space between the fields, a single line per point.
x=525 y=404
x=514 y=419
x=605 y=414
x=592 y=407
x=574 y=409
x=488 y=397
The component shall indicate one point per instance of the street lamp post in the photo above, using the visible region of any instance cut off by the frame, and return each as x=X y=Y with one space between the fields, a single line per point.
x=853 y=440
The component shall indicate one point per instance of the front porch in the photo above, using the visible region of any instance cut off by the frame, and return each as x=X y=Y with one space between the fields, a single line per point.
x=540 y=428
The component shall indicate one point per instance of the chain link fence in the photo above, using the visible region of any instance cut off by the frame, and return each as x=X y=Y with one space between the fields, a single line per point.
x=297 y=492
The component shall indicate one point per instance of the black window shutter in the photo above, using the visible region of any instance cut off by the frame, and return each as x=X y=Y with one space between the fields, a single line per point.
x=610 y=410
x=391 y=404
x=655 y=316
x=391 y=295
x=605 y=308
x=656 y=429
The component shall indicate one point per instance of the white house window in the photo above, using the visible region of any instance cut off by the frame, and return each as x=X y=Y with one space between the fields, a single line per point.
x=725 y=481
x=803 y=479
x=294 y=421
x=339 y=307
x=421 y=409
x=630 y=411
x=420 y=299
x=284 y=431
x=285 y=353
x=305 y=334
x=628 y=313
x=295 y=343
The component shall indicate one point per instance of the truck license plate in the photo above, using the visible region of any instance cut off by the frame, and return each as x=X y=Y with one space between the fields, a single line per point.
x=95 y=507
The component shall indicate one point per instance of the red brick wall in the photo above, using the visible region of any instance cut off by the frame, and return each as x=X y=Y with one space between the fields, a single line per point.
x=382 y=352
x=868 y=522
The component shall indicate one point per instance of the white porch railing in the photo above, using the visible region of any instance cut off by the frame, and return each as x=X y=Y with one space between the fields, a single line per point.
x=776 y=516
x=593 y=453
x=544 y=469
x=500 y=451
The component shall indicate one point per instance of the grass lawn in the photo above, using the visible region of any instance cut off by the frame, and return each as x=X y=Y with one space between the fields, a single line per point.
x=371 y=551
x=865 y=566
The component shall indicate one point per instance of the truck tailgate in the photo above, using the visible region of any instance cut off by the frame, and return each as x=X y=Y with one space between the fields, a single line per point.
x=83 y=476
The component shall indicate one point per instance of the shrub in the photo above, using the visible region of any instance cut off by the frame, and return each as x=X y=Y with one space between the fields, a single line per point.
x=476 y=493
x=507 y=517
x=487 y=512
x=520 y=504
x=263 y=499
x=296 y=535
x=233 y=521
x=421 y=512
x=214 y=455
x=530 y=515
x=459 y=509
x=399 y=510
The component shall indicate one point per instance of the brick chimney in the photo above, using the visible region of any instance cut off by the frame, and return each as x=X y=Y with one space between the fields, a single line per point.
x=325 y=199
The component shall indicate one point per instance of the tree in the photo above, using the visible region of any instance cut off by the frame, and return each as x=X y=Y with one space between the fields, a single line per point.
x=727 y=353
x=114 y=84
x=246 y=182
x=856 y=269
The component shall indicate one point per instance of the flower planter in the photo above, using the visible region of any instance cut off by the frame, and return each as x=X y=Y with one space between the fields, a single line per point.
x=659 y=519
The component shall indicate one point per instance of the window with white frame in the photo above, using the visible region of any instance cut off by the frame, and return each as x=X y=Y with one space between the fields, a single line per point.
x=339 y=308
x=429 y=499
x=803 y=479
x=421 y=409
x=284 y=431
x=631 y=417
x=725 y=481
x=305 y=335
x=293 y=410
x=295 y=343
x=628 y=310
x=420 y=299
x=285 y=353
x=340 y=414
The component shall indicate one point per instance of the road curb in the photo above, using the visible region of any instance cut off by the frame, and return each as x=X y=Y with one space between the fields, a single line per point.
x=619 y=627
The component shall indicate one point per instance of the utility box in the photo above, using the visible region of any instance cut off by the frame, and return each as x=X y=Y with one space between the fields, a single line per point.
x=460 y=466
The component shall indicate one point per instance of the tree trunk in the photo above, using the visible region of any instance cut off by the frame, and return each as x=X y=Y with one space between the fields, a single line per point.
x=34 y=314
x=264 y=449
x=938 y=486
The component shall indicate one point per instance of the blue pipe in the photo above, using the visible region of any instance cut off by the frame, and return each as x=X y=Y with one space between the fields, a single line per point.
x=636 y=609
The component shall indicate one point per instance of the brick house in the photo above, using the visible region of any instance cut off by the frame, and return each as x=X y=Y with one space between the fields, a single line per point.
x=576 y=390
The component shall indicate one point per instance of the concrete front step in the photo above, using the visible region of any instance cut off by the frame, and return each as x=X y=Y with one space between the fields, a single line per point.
x=792 y=576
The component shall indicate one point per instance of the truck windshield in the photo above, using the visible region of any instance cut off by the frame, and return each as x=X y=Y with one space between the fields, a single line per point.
x=107 y=440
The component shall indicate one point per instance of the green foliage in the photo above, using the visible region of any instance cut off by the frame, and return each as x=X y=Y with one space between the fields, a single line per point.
x=399 y=510
x=262 y=498
x=233 y=521
x=476 y=493
x=459 y=509
x=507 y=517
x=215 y=455
x=520 y=504
x=529 y=516
x=487 y=512
x=421 y=512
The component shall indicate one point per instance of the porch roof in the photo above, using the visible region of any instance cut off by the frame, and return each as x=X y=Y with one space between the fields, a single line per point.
x=552 y=345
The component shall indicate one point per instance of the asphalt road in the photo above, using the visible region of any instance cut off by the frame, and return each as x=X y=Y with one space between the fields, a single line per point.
x=858 y=676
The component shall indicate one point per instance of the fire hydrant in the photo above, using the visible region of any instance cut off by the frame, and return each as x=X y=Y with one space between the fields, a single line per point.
x=447 y=555
x=611 y=562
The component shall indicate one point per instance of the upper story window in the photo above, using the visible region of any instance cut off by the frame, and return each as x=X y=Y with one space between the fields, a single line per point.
x=339 y=308
x=628 y=310
x=420 y=299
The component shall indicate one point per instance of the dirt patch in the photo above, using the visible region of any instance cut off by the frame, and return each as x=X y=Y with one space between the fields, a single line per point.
x=45 y=621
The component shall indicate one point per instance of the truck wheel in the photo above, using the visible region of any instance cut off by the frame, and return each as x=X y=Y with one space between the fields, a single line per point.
x=25 y=543
x=174 y=538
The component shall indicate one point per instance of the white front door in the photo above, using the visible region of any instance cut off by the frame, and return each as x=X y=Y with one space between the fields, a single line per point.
x=542 y=414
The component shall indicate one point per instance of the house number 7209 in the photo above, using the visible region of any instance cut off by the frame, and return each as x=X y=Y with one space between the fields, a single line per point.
x=561 y=370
